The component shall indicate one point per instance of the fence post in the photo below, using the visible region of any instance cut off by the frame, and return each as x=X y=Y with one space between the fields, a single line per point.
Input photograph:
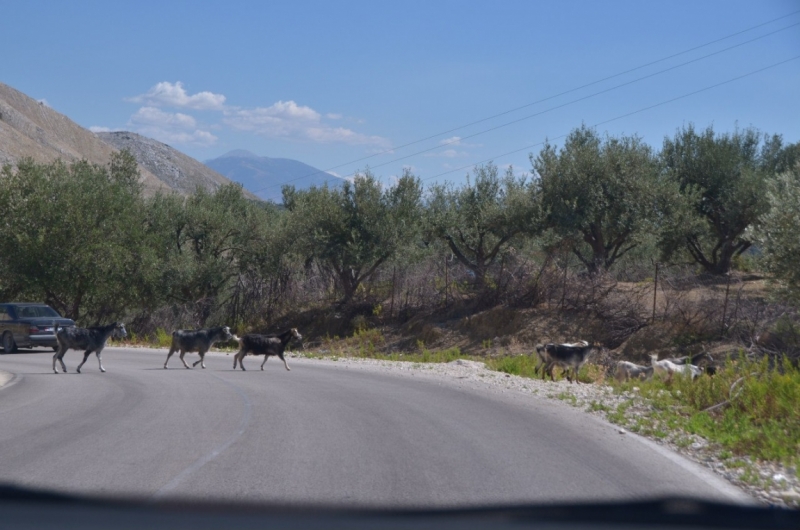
x=446 y=280
x=655 y=291
x=564 y=285
x=391 y=304
x=725 y=305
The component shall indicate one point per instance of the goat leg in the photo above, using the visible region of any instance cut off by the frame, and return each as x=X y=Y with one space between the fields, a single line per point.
x=183 y=352
x=171 y=351
x=100 y=361
x=200 y=362
x=86 y=355
x=57 y=356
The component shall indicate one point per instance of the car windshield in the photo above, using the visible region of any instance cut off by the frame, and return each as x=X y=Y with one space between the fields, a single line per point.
x=401 y=254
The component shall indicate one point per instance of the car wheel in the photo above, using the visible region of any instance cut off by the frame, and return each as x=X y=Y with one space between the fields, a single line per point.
x=8 y=343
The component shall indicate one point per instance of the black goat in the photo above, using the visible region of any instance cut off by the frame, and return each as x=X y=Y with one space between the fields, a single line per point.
x=200 y=340
x=265 y=345
x=567 y=356
x=87 y=339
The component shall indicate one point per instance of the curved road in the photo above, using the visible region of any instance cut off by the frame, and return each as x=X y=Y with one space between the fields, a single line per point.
x=321 y=434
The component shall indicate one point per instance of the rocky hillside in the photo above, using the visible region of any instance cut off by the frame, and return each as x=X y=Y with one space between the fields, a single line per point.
x=29 y=128
x=176 y=170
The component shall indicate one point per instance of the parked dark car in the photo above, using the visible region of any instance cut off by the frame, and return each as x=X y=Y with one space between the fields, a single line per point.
x=29 y=326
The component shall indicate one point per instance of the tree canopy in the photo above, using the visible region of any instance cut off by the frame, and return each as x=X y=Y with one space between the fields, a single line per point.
x=597 y=194
x=353 y=230
x=480 y=219
x=725 y=178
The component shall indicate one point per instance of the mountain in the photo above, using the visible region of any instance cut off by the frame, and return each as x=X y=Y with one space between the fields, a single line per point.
x=178 y=171
x=264 y=176
x=29 y=128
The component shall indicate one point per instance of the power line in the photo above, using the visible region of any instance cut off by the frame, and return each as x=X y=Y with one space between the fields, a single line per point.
x=551 y=97
x=445 y=144
x=665 y=102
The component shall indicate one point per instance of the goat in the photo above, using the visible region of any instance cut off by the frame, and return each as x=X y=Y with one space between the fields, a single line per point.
x=87 y=339
x=544 y=359
x=201 y=340
x=569 y=356
x=626 y=370
x=265 y=345
x=668 y=368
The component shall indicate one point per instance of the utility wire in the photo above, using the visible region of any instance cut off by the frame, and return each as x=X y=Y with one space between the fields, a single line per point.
x=479 y=133
x=665 y=102
x=391 y=149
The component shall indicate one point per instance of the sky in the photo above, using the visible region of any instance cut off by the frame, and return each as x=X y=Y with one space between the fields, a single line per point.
x=431 y=86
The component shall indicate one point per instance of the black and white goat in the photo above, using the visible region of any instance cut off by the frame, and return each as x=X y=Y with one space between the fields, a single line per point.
x=87 y=339
x=569 y=356
x=200 y=341
x=265 y=345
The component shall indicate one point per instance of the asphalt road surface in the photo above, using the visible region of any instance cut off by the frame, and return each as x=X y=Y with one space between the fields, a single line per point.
x=321 y=434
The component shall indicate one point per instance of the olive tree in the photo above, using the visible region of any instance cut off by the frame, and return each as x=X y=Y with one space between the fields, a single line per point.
x=353 y=230
x=724 y=177
x=480 y=219
x=201 y=242
x=71 y=235
x=778 y=233
x=597 y=194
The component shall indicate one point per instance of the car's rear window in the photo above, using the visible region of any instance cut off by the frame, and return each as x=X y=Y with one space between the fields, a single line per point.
x=36 y=311
x=46 y=311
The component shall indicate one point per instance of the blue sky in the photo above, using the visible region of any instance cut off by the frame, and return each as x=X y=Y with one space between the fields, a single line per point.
x=330 y=83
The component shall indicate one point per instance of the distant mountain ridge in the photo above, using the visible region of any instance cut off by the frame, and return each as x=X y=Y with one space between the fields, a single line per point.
x=264 y=176
x=179 y=171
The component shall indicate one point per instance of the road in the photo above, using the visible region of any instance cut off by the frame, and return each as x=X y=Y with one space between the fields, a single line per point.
x=321 y=434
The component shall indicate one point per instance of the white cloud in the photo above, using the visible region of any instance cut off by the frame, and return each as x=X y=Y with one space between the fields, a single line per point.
x=168 y=127
x=287 y=119
x=154 y=116
x=283 y=119
x=455 y=140
x=167 y=94
x=449 y=153
x=98 y=128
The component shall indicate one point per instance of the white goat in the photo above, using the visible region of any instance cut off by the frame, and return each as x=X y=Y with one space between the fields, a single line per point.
x=627 y=370
x=667 y=368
